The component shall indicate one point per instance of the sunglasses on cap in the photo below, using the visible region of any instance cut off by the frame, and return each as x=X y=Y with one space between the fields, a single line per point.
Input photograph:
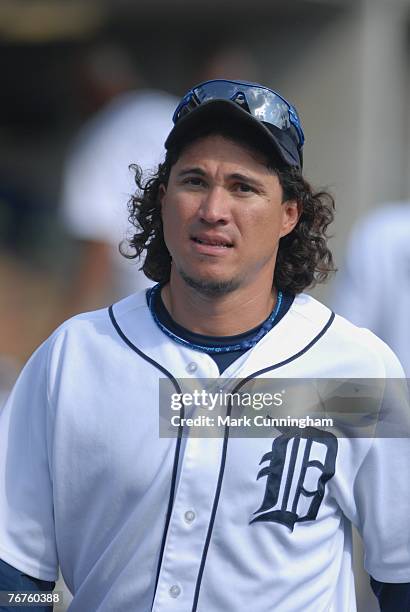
x=266 y=106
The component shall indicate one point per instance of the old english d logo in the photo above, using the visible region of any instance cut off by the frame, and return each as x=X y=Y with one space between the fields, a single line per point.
x=300 y=464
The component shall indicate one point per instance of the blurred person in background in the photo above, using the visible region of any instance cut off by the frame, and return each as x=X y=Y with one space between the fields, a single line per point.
x=131 y=124
x=373 y=287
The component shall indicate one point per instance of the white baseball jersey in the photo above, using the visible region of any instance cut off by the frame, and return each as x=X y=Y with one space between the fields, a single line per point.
x=373 y=287
x=139 y=522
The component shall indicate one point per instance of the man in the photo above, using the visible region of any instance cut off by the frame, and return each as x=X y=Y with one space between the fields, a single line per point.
x=138 y=521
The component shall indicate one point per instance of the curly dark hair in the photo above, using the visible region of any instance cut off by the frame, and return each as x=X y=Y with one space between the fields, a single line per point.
x=303 y=258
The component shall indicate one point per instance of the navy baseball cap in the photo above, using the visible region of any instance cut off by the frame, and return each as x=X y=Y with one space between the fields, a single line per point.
x=250 y=104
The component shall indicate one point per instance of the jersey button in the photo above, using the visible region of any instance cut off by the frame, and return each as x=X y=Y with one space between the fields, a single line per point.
x=189 y=516
x=191 y=367
x=175 y=591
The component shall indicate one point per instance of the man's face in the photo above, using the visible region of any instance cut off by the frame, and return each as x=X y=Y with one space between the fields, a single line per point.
x=223 y=215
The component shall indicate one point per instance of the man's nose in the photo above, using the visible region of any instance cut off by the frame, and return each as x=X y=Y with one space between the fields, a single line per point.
x=215 y=206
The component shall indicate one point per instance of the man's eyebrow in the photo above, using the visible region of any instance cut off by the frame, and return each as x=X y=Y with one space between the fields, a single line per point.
x=244 y=178
x=192 y=170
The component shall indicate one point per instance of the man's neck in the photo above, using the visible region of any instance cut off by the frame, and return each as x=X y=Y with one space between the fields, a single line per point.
x=226 y=315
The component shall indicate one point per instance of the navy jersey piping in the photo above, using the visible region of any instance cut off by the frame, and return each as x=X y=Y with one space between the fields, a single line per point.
x=225 y=448
x=177 y=446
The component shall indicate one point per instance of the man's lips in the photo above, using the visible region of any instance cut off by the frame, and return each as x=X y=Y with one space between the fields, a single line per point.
x=214 y=240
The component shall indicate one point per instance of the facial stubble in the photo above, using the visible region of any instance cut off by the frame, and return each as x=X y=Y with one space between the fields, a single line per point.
x=210 y=288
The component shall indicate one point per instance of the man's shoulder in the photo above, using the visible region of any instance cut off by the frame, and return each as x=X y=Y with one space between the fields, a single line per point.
x=346 y=337
x=308 y=312
x=364 y=342
x=309 y=308
x=101 y=321
x=90 y=341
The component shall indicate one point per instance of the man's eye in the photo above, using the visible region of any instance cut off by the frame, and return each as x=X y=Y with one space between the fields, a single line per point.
x=195 y=181
x=245 y=188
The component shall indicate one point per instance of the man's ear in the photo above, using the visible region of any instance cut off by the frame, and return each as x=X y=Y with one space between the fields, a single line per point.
x=291 y=212
x=162 y=193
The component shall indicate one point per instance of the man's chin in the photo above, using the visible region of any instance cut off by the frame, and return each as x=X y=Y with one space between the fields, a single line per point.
x=211 y=287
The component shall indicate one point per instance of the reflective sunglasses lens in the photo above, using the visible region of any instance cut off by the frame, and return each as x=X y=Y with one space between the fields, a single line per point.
x=263 y=104
x=212 y=90
x=266 y=106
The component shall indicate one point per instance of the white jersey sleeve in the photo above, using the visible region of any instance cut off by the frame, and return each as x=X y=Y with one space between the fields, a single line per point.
x=374 y=492
x=382 y=493
x=27 y=536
